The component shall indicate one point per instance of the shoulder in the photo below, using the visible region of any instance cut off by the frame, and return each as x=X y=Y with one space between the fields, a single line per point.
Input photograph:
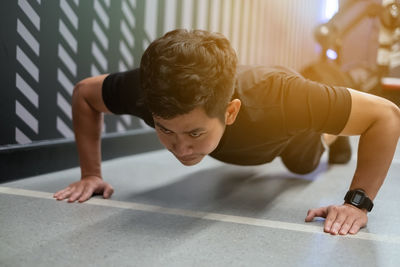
x=257 y=73
x=261 y=86
x=124 y=78
x=122 y=93
x=249 y=76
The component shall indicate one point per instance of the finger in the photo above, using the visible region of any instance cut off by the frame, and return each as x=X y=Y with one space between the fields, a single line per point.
x=346 y=226
x=330 y=218
x=355 y=228
x=65 y=194
x=337 y=224
x=312 y=213
x=76 y=194
x=57 y=194
x=87 y=193
x=108 y=191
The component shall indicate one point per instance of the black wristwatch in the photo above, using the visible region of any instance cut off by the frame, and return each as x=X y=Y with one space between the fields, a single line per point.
x=359 y=199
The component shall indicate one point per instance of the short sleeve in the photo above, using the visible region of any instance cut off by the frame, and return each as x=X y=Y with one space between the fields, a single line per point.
x=121 y=93
x=309 y=105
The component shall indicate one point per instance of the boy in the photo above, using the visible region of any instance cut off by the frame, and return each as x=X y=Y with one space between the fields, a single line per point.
x=190 y=90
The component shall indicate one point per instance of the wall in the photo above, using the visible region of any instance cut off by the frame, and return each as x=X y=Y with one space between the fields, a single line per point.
x=49 y=45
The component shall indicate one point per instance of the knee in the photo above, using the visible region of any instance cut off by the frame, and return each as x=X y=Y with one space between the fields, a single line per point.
x=300 y=167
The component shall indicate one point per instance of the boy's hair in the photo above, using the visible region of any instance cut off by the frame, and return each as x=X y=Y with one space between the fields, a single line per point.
x=184 y=70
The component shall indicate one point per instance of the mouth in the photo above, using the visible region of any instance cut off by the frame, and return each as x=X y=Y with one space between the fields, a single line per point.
x=187 y=159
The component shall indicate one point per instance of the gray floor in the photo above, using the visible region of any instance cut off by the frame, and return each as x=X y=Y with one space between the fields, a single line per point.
x=211 y=214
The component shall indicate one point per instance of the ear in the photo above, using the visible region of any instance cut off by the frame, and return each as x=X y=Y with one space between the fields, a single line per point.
x=232 y=111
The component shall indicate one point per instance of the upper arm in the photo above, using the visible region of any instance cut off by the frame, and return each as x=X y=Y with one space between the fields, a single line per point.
x=90 y=90
x=313 y=106
x=366 y=109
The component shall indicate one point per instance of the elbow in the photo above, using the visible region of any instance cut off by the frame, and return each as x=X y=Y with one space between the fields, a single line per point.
x=393 y=116
x=79 y=99
x=397 y=116
x=77 y=92
x=76 y=100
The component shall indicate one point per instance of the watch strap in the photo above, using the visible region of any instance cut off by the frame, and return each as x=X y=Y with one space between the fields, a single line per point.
x=366 y=202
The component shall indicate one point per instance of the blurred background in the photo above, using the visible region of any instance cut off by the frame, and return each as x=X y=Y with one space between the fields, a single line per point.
x=49 y=45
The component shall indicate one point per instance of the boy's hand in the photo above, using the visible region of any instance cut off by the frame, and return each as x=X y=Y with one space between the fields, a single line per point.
x=341 y=219
x=84 y=189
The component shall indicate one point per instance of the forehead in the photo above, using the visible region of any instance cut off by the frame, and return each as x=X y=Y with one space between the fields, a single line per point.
x=197 y=118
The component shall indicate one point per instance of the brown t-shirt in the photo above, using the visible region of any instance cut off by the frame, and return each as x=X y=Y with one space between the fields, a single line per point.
x=277 y=105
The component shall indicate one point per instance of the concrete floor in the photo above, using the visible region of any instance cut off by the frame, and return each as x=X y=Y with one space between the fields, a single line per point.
x=212 y=214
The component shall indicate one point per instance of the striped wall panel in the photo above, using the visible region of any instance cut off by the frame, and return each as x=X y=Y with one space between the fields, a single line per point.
x=57 y=43
x=27 y=77
x=67 y=71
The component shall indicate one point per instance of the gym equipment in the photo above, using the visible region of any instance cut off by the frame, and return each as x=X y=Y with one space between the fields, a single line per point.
x=383 y=78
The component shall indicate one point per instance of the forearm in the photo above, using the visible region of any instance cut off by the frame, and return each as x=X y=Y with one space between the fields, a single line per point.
x=87 y=124
x=376 y=149
x=377 y=120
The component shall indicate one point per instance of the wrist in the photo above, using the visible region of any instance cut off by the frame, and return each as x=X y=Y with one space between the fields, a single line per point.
x=359 y=199
x=354 y=207
x=88 y=175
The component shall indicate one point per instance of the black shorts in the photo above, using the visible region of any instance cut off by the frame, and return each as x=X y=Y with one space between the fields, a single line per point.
x=303 y=154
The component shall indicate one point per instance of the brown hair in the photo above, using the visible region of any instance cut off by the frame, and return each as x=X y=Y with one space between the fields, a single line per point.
x=185 y=69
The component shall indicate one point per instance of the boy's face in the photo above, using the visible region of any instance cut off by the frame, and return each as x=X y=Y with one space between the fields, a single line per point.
x=192 y=136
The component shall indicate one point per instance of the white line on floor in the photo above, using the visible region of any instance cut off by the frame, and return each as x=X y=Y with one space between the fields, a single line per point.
x=203 y=215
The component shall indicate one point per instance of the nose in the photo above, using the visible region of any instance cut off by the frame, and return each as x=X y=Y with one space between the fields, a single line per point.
x=182 y=147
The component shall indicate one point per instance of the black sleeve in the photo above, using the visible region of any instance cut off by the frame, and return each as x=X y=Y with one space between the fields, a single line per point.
x=121 y=93
x=309 y=105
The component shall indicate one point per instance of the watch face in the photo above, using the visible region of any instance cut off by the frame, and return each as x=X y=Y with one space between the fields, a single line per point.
x=357 y=198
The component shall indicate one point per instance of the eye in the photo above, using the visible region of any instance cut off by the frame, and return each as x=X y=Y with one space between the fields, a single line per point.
x=165 y=130
x=195 y=134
